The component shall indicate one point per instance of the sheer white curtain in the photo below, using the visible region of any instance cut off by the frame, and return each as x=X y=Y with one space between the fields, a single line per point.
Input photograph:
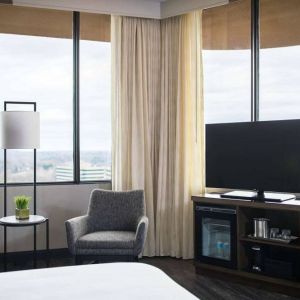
x=158 y=126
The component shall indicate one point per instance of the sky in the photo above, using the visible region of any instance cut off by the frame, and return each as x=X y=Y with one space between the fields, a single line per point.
x=40 y=69
x=227 y=84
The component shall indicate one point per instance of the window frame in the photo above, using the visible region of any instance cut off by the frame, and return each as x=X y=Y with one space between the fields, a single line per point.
x=254 y=60
x=255 y=51
x=76 y=117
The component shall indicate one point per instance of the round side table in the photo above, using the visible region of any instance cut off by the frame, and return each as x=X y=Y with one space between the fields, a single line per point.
x=33 y=220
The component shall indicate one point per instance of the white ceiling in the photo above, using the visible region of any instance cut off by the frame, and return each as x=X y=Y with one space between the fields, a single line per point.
x=171 y=8
x=156 y=9
x=156 y=0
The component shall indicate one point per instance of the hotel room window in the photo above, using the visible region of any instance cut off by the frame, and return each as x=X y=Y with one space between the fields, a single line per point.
x=279 y=59
x=95 y=111
x=227 y=62
x=36 y=65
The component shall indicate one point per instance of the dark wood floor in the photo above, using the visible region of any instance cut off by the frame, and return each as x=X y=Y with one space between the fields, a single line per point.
x=209 y=288
x=182 y=271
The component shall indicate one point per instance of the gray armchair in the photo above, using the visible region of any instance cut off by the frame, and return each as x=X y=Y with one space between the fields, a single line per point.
x=114 y=228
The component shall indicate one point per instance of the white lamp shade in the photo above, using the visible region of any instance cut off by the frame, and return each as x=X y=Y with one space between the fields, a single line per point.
x=20 y=130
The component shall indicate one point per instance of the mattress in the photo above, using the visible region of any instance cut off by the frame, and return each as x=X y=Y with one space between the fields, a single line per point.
x=91 y=282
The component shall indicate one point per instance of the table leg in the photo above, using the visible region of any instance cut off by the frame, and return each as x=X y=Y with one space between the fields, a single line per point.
x=5 y=250
x=47 y=243
x=34 y=246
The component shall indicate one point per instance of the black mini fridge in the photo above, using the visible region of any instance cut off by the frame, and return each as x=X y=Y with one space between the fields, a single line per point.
x=215 y=235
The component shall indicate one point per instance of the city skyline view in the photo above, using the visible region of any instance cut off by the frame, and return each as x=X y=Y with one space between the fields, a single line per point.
x=45 y=75
x=20 y=165
x=227 y=94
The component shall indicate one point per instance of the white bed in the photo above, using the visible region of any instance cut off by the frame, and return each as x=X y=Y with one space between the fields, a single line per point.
x=90 y=282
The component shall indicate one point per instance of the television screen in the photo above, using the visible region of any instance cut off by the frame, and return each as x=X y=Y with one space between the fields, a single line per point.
x=254 y=156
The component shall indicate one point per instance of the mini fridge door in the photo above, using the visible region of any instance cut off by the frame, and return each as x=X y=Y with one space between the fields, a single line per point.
x=216 y=236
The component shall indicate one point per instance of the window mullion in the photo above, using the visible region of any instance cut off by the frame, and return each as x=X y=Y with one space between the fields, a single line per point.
x=76 y=100
x=255 y=45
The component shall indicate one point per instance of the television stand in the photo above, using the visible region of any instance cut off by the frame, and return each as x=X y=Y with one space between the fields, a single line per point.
x=259 y=196
x=279 y=261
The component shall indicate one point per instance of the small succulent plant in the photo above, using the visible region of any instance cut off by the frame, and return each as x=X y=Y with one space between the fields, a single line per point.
x=22 y=201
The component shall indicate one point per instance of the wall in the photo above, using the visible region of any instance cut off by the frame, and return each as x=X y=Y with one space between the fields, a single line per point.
x=58 y=203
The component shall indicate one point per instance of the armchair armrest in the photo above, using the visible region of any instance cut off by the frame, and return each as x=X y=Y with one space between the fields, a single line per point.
x=76 y=228
x=141 y=234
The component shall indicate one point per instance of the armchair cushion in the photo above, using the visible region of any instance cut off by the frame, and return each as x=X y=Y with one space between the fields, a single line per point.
x=107 y=240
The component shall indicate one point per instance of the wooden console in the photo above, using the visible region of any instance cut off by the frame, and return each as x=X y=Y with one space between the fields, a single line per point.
x=281 y=215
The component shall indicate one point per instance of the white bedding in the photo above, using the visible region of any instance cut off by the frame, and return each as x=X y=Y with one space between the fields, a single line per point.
x=90 y=282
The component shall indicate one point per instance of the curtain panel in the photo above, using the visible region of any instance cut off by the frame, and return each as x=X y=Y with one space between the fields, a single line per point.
x=158 y=124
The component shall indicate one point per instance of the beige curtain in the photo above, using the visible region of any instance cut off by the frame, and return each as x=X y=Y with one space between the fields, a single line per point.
x=181 y=155
x=158 y=135
x=136 y=62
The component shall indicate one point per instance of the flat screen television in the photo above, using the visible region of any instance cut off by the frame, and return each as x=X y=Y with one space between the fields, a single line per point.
x=254 y=156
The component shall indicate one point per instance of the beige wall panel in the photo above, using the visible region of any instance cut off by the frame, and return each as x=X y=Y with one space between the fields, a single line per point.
x=95 y=27
x=280 y=23
x=229 y=26
x=36 y=22
x=52 y=23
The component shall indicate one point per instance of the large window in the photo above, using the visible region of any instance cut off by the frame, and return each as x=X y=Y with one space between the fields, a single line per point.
x=95 y=117
x=227 y=62
x=44 y=75
x=37 y=64
x=228 y=69
x=279 y=59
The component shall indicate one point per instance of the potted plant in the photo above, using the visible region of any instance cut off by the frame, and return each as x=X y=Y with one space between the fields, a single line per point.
x=22 y=209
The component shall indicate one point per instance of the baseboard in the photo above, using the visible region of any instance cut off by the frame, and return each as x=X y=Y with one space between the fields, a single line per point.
x=61 y=252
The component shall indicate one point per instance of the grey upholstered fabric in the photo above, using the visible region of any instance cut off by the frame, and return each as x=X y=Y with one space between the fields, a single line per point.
x=107 y=239
x=114 y=225
x=116 y=210
x=141 y=234
x=105 y=252
x=76 y=228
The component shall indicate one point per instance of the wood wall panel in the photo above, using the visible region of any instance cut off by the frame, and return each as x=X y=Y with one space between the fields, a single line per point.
x=95 y=27
x=35 y=21
x=280 y=23
x=229 y=26
x=52 y=23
